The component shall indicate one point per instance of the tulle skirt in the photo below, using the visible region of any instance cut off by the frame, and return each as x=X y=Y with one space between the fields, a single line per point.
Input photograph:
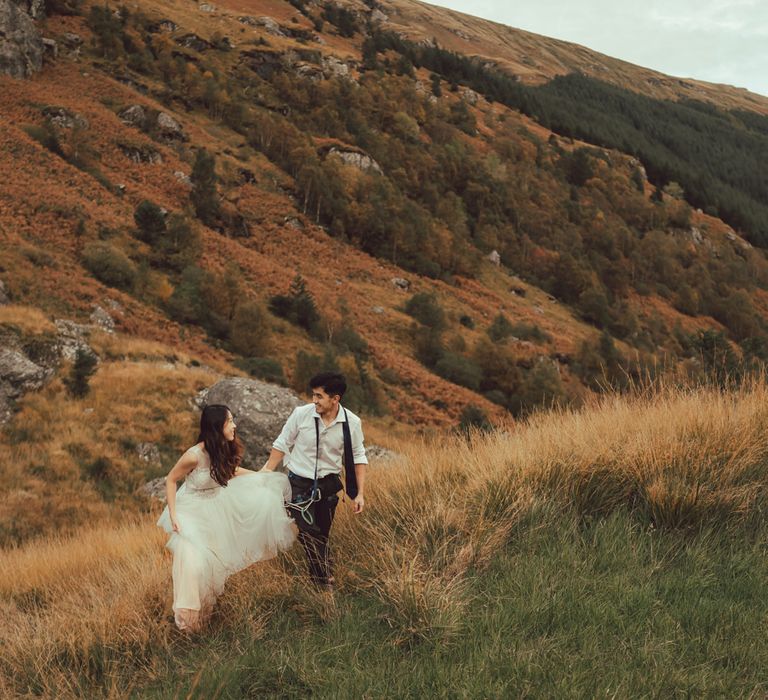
x=224 y=530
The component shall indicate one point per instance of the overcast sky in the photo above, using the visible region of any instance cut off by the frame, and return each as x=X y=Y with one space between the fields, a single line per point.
x=721 y=41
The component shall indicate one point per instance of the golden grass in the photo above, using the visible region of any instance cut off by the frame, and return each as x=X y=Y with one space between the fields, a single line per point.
x=28 y=319
x=54 y=440
x=677 y=458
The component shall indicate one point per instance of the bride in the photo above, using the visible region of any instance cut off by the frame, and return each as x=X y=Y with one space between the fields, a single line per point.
x=222 y=519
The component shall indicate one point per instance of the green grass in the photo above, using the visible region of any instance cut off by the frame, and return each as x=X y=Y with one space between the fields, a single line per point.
x=568 y=608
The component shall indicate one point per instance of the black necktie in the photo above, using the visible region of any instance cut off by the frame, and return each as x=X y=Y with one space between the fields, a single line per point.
x=349 y=460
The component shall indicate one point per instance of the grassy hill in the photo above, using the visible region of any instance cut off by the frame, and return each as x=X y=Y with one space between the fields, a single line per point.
x=617 y=549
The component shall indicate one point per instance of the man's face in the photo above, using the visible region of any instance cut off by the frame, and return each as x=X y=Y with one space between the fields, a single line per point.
x=324 y=404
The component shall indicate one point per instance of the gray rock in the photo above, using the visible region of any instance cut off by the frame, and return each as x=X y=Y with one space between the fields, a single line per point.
x=381 y=456
x=205 y=7
x=50 y=48
x=194 y=42
x=164 y=25
x=294 y=223
x=400 y=283
x=3 y=294
x=64 y=119
x=71 y=40
x=470 y=96
x=268 y=23
x=154 y=490
x=377 y=16
x=34 y=8
x=334 y=67
x=21 y=46
x=141 y=154
x=149 y=454
x=260 y=409
x=494 y=257
x=696 y=236
x=183 y=178
x=19 y=373
x=169 y=128
x=309 y=71
x=101 y=319
x=377 y=309
x=73 y=337
x=361 y=161
x=135 y=115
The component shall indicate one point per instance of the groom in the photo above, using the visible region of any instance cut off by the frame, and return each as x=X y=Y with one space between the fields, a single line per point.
x=313 y=438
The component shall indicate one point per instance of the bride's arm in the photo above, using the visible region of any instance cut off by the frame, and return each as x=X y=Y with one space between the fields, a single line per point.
x=242 y=470
x=187 y=462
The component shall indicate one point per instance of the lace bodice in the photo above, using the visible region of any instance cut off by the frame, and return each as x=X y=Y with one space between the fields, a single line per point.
x=199 y=479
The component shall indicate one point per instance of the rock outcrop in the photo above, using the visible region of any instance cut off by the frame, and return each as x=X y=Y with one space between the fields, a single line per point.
x=21 y=46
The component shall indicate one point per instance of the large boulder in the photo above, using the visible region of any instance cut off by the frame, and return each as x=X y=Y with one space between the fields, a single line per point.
x=21 y=46
x=34 y=8
x=260 y=410
x=18 y=374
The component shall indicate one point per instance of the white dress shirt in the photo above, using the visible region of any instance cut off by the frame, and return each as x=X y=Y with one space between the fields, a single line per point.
x=297 y=441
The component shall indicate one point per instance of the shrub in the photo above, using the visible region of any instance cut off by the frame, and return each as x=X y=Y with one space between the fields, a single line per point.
x=425 y=309
x=500 y=329
x=459 y=370
x=109 y=265
x=82 y=370
x=530 y=331
x=428 y=345
x=46 y=136
x=473 y=417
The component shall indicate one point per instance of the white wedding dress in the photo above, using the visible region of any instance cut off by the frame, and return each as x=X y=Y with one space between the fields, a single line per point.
x=222 y=530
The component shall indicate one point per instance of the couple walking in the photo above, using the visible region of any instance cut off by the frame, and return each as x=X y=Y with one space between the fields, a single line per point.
x=225 y=517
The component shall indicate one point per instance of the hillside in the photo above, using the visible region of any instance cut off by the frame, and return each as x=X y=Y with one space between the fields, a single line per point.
x=272 y=187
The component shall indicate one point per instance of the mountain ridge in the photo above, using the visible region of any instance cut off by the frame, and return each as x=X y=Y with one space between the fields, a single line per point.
x=510 y=48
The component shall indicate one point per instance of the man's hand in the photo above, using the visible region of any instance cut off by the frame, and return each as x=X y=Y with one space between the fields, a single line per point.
x=359 y=503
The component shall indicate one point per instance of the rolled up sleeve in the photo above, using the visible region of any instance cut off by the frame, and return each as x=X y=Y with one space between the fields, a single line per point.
x=287 y=438
x=358 y=448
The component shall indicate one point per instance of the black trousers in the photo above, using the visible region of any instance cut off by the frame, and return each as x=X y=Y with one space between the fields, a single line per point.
x=314 y=538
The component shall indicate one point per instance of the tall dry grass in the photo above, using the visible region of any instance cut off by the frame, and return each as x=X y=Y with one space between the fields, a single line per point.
x=82 y=615
x=67 y=462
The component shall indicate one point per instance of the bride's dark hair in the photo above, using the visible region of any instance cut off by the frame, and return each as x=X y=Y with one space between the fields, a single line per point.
x=225 y=455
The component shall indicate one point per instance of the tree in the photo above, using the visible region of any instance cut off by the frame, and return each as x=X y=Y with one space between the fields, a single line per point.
x=250 y=329
x=179 y=246
x=82 y=370
x=150 y=222
x=298 y=307
x=204 y=198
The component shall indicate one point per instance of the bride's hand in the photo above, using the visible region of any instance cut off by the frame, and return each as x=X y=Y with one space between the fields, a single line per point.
x=175 y=524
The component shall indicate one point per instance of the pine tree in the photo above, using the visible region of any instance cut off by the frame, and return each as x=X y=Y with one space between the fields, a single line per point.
x=78 y=381
x=204 y=197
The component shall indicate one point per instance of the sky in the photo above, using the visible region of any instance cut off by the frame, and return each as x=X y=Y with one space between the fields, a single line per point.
x=720 y=41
